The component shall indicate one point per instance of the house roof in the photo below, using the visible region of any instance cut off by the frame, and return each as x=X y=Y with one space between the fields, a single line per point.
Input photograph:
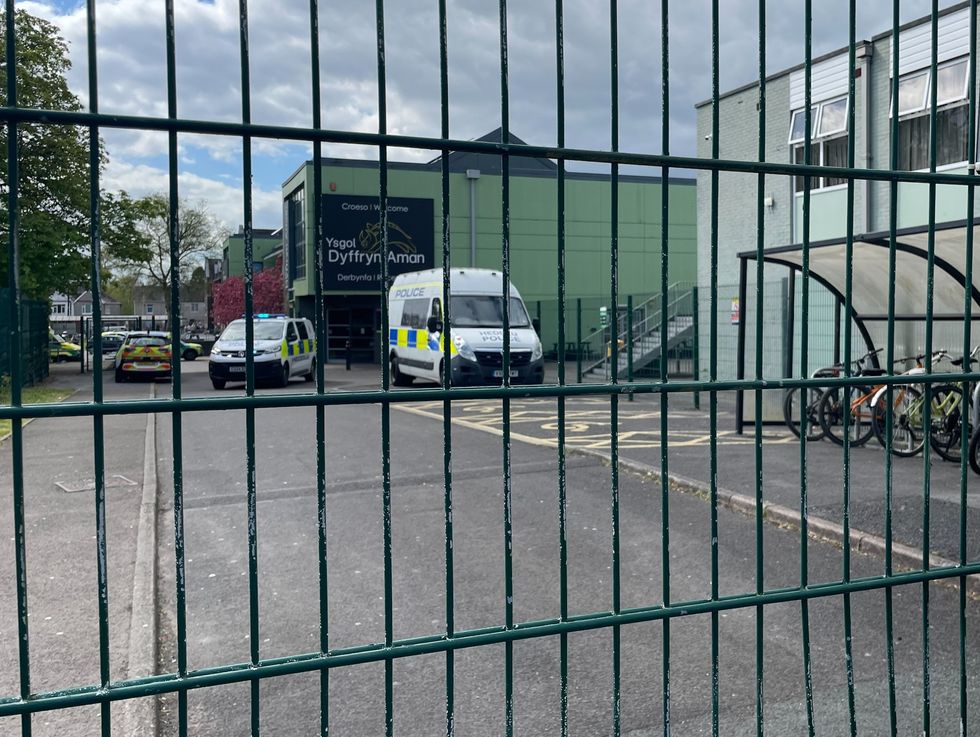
x=460 y=161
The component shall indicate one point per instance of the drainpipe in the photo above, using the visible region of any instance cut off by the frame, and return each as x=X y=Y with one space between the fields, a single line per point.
x=865 y=52
x=473 y=175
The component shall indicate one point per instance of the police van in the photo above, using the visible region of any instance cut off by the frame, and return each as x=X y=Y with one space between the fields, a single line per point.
x=416 y=335
x=283 y=347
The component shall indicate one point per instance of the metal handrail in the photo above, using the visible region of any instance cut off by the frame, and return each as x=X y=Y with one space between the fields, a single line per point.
x=622 y=332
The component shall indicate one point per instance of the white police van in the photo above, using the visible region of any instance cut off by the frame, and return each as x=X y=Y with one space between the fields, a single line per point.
x=415 y=329
x=283 y=347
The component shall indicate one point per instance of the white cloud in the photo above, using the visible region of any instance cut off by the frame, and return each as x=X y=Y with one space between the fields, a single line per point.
x=133 y=74
x=222 y=197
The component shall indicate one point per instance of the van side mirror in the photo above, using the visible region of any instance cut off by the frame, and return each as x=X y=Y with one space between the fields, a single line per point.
x=536 y=324
x=434 y=324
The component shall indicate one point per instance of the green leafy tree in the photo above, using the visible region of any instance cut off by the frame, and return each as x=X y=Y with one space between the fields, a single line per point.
x=54 y=173
x=198 y=234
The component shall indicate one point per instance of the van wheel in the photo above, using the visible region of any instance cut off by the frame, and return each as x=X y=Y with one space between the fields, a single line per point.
x=397 y=377
x=189 y=354
x=120 y=377
x=284 y=376
x=218 y=383
x=311 y=374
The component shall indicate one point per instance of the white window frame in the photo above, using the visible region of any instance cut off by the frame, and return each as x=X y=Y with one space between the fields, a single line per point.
x=940 y=104
x=817 y=141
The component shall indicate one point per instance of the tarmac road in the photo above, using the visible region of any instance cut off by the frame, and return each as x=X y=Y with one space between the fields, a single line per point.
x=218 y=596
x=62 y=585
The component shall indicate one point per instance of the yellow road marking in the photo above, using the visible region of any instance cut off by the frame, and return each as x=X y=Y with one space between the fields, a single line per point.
x=638 y=439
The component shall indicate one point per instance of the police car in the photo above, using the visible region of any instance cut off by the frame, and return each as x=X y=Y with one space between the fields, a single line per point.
x=283 y=347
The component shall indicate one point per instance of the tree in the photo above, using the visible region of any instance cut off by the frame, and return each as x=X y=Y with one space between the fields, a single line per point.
x=229 y=295
x=54 y=173
x=198 y=234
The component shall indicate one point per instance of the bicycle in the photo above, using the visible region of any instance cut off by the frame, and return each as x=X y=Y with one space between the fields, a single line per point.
x=908 y=415
x=858 y=401
x=791 y=404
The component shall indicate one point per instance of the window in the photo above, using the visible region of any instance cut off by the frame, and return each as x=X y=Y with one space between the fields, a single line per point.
x=149 y=309
x=415 y=313
x=952 y=116
x=296 y=225
x=303 y=333
x=291 y=333
x=828 y=146
x=194 y=306
x=58 y=309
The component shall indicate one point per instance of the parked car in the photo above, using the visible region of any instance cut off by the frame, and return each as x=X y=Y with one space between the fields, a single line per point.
x=189 y=351
x=62 y=350
x=284 y=347
x=142 y=354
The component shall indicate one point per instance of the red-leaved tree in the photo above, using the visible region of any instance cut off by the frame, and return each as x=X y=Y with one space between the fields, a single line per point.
x=229 y=295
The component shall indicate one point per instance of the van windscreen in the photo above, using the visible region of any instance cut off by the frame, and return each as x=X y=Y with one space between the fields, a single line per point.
x=484 y=311
x=263 y=330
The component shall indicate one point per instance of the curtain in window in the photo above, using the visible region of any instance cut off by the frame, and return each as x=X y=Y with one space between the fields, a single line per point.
x=835 y=154
x=913 y=143
x=951 y=134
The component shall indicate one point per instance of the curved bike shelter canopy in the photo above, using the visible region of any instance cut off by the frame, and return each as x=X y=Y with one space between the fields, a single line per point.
x=828 y=266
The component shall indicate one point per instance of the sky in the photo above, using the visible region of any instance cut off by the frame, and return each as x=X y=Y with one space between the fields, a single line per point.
x=132 y=76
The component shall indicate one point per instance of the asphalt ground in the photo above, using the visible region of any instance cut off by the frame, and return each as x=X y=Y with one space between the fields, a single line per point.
x=215 y=521
x=213 y=450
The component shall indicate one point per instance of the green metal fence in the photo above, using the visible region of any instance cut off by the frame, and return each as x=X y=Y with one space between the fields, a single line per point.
x=507 y=632
x=33 y=339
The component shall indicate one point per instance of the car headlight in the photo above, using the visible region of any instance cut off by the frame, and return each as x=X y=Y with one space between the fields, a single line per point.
x=536 y=351
x=464 y=349
x=263 y=351
x=216 y=352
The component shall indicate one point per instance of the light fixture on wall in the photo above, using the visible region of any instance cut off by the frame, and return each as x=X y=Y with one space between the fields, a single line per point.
x=769 y=201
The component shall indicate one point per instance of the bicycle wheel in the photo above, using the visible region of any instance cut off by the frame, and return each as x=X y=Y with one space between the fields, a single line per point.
x=907 y=436
x=947 y=419
x=975 y=452
x=792 y=414
x=832 y=411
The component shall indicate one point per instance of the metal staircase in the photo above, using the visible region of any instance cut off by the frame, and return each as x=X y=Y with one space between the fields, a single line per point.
x=647 y=342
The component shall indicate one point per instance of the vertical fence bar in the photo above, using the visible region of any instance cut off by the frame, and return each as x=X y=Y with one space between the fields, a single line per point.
x=927 y=388
x=804 y=357
x=578 y=340
x=505 y=377
x=251 y=473
x=967 y=336
x=385 y=373
x=760 y=238
x=713 y=352
x=614 y=355
x=890 y=362
x=845 y=403
x=176 y=427
x=16 y=371
x=447 y=375
x=98 y=424
x=322 y=348
x=562 y=489
x=664 y=424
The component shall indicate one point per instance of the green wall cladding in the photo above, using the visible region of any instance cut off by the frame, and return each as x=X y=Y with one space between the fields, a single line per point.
x=533 y=229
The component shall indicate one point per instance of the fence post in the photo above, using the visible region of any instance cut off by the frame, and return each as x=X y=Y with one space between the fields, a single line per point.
x=629 y=342
x=696 y=358
x=578 y=340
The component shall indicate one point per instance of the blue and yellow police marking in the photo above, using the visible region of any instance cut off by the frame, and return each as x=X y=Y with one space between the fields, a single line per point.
x=422 y=339
x=299 y=348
